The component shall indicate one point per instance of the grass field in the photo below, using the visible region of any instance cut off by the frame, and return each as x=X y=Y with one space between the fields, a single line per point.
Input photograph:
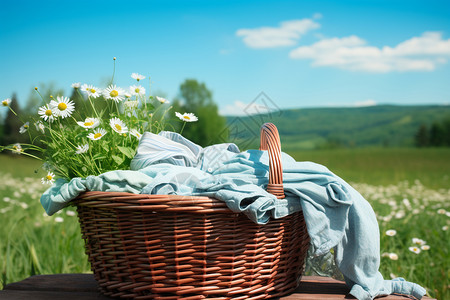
x=408 y=188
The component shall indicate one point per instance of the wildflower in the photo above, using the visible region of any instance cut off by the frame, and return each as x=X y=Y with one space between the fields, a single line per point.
x=416 y=250
x=82 y=149
x=17 y=149
x=59 y=220
x=114 y=93
x=425 y=247
x=91 y=90
x=70 y=213
x=131 y=104
x=162 y=100
x=40 y=126
x=47 y=113
x=393 y=256
x=6 y=102
x=137 y=76
x=135 y=133
x=64 y=106
x=118 y=125
x=441 y=211
x=137 y=90
x=6 y=199
x=49 y=179
x=23 y=205
x=444 y=228
x=391 y=232
x=392 y=275
x=187 y=117
x=89 y=123
x=24 y=127
x=98 y=134
x=385 y=254
x=418 y=241
x=76 y=85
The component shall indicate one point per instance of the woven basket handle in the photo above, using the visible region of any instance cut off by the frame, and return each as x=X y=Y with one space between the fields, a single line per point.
x=270 y=140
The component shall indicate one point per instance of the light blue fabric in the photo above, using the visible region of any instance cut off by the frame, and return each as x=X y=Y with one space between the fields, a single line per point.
x=337 y=216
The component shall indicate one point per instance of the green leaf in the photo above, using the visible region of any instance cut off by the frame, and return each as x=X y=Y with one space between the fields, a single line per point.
x=117 y=159
x=105 y=146
x=127 y=151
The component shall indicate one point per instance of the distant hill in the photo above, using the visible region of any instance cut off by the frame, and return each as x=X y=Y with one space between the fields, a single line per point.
x=312 y=128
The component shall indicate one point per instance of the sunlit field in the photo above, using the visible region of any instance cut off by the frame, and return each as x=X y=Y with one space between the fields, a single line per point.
x=408 y=188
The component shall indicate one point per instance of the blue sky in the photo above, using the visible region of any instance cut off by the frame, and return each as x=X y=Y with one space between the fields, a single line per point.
x=300 y=53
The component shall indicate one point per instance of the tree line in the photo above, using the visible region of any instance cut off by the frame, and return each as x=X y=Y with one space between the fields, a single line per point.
x=435 y=135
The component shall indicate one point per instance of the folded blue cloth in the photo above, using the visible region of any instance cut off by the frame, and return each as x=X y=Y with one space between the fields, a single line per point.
x=336 y=215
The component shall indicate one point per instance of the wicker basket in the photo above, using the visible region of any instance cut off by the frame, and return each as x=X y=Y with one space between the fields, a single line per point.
x=178 y=247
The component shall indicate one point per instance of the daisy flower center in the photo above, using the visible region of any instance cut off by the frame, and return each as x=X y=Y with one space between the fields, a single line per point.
x=89 y=123
x=49 y=177
x=15 y=147
x=137 y=90
x=62 y=106
x=114 y=93
x=48 y=112
x=97 y=135
x=4 y=103
x=186 y=117
x=118 y=127
x=93 y=91
x=25 y=126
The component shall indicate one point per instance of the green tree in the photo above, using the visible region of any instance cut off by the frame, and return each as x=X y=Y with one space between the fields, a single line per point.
x=437 y=134
x=210 y=128
x=12 y=125
x=422 y=138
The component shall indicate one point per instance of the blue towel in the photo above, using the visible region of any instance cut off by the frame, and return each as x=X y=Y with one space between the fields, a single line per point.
x=336 y=215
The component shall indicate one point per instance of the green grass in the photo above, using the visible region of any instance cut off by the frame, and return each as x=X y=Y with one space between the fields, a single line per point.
x=408 y=188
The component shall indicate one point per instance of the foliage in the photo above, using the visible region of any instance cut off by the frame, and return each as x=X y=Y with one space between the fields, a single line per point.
x=436 y=136
x=197 y=98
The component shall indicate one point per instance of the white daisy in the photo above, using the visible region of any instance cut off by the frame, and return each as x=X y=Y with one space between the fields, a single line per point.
x=59 y=220
x=418 y=241
x=114 y=93
x=416 y=250
x=137 y=90
x=82 y=148
x=391 y=232
x=162 y=100
x=76 y=85
x=135 y=133
x=47 y=113
x=6 y=102
x=97 y=134
x=24 y=127
x=133 y=104
x=137 y=76
x=40 y=126
x=64 y=106
x=49 y=179
x=118 y=125
x=17 y=149
x=91 y=90
x=186 y=117
x=393 y=256
x=89 y=123
x=425 y=247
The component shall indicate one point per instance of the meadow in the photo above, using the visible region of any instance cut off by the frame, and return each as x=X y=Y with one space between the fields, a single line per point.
x=409 y=190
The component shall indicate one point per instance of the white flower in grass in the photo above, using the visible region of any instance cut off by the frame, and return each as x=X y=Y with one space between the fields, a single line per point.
x=89 y=123
x=186 y=117
x=76 y=85
x=391 y=232
x=393 y=256
x=49 y=179
x=137 y=90
x=70 y=213
x=445 y=228
x=418 y=241
x=414 y=249
x=425 y=247
x=441 y=211
x=47 y=113
x=118 y=125
x=24 y=127
x=97 y=134
x=59 y=220
x=82 y=148
x=135 y=133
x=385 y=254
x=91 y=90
x=17 y=149
x=6 y=102
x=114 y=93
x=40 y=126
x=162 y=100
x=64 y=106
x=137 y=76
x=133 y=104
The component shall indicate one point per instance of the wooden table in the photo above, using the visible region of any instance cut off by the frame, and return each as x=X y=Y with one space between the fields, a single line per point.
x=83 y=286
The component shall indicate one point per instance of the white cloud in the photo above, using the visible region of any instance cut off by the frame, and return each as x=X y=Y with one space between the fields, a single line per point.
x=239 y=108
x=287 y=34
x=368 y=102
x=422 y=53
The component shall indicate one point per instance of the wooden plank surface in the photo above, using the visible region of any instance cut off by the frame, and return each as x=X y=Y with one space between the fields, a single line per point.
x=84 y=286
